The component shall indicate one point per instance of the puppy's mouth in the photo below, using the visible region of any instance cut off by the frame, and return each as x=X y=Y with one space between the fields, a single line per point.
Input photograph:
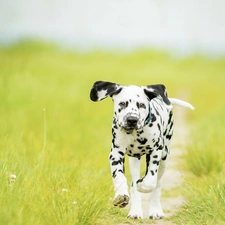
x=131 y=123
x=129 y=129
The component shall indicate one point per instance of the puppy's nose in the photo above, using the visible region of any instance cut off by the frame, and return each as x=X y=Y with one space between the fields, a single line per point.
x=132 y=121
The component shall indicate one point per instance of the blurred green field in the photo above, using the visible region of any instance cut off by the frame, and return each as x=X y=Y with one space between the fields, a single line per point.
x=56 y=141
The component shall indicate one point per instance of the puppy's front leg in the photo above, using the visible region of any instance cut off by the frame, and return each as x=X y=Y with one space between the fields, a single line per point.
x=135 y=196
x=116 y=159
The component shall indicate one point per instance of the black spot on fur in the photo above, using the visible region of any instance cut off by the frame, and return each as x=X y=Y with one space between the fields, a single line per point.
x=159 y=127
x=140 y=180
x=137 y=155
x=157 y=143
x=114 y=145
x=166 y=149
x=142 y=141
x=170 y=117
x=152 y=172
x=121 y=153
x=160 y=147
x=171 y=126
x=114 y=173
x=157 y=112
x=140 y=132
x=115 y=126
x=156 y=162
x=165 y=157
x=114 y=163
x=168 y=136
x=153 y=118
x=147 y=163
x=165 y=132
x=113 y=133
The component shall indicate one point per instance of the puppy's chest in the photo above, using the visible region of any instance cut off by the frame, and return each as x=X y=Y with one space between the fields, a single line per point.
x=141 y=145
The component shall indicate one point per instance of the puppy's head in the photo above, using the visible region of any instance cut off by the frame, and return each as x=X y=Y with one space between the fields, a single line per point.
x=131 y=103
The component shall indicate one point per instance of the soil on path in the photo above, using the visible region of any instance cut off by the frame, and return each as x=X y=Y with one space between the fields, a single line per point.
x=173 y=176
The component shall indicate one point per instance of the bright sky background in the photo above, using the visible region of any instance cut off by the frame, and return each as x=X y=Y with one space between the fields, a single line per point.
x=183 y=26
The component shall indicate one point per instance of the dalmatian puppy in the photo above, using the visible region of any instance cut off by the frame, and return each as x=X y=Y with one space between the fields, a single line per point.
x=142 y=125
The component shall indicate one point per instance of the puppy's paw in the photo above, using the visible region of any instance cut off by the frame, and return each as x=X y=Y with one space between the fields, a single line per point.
x=121 y=201
x=156 y=213
x=135 y=214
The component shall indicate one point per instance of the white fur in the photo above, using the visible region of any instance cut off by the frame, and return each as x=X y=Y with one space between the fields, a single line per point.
x=179 y=102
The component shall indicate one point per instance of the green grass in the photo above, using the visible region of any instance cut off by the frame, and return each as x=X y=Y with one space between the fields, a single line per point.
x=205 y=161
x=56 y=141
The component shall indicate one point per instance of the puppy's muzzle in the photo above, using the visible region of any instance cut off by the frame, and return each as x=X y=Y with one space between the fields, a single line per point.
x=131 y=122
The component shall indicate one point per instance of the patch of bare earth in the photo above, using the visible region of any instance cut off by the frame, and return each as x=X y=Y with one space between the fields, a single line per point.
x=173 y=176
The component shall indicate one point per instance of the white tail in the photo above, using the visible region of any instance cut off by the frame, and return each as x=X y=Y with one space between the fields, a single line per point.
x=179 y=102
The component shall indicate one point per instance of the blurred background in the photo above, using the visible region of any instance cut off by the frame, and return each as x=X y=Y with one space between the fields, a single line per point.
x=182 y=27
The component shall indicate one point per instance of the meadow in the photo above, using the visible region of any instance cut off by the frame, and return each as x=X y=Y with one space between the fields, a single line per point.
x=55 y=142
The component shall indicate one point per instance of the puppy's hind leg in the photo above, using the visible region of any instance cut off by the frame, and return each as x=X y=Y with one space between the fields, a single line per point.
x=155 y=209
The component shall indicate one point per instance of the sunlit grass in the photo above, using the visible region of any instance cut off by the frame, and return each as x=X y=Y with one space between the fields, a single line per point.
x=205 y=203
x=205 y=156
x=56 y=141
x=206 y=162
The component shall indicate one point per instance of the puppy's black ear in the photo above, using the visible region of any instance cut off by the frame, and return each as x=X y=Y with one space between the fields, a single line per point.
x=156 y=90
x=103 y=89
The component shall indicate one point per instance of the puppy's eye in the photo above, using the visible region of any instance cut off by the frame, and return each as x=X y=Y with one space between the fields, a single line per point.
x=122 y=104
x=142 y=105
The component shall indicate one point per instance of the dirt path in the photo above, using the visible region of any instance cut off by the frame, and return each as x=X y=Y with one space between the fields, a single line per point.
x=173 y=176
